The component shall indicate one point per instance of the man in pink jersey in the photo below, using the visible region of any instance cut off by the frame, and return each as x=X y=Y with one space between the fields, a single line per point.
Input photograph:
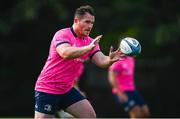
x=121 y=78
x=69 y=48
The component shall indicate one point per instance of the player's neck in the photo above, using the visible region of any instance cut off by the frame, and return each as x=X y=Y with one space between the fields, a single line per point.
x=78 y=34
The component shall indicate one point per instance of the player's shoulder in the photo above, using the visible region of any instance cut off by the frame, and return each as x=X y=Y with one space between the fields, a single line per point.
x=118 y=63
x=130 y=58
x=63 y=30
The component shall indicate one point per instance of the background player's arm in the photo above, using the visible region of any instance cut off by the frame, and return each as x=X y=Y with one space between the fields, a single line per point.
x=113 y=82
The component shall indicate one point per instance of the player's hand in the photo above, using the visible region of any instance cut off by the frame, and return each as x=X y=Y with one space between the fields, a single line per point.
x=95 y=41
x=115 y=55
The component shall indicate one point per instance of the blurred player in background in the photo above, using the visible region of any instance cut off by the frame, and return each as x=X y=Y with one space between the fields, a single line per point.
x=70 y=47
x=121 y=78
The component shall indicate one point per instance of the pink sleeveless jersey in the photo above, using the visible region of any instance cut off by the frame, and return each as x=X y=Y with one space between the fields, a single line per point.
x=58 y=74
x=125 y=73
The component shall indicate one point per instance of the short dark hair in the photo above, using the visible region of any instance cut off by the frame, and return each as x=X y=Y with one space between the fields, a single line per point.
x=82 y=10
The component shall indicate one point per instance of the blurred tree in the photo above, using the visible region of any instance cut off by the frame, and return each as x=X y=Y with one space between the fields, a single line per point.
x=27 y=26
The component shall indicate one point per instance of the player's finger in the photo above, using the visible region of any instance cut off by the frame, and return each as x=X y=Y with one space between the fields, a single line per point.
x=111 y=49
x=98 y=37
x=118 y=50
x=116 y=59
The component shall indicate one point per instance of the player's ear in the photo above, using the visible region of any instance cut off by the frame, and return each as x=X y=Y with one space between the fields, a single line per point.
x=76 y=20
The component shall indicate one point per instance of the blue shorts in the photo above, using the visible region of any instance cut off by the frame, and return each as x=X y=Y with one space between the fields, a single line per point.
x=134 y=99
x=51 y=103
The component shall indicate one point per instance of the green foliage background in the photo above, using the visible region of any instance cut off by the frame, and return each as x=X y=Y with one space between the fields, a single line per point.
x=27 y=27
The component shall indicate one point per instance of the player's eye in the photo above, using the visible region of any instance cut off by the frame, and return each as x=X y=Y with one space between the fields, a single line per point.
x=89 y=22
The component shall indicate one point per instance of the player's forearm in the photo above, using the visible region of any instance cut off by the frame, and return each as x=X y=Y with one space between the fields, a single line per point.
x=75 y=52
x=105 y=62
x=112 y=79
x=112 y=83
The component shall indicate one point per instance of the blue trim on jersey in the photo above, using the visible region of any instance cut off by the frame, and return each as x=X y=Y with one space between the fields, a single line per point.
x=94 y=53
x=72 y=30
x=62 y=43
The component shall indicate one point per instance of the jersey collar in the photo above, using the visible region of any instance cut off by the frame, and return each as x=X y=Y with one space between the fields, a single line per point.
x=72 y=30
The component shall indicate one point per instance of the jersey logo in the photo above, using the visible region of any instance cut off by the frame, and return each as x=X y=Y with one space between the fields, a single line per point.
x=48 y=107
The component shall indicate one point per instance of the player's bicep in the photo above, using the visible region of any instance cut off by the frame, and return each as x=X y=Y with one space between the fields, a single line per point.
x=112 y=77
x=62 y=48
x=112 y=74
x=98 y=58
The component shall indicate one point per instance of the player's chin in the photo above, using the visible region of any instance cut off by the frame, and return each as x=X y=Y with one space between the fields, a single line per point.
x=86 y=33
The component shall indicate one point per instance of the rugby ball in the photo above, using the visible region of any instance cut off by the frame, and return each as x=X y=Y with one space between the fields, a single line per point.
x=130 y=46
